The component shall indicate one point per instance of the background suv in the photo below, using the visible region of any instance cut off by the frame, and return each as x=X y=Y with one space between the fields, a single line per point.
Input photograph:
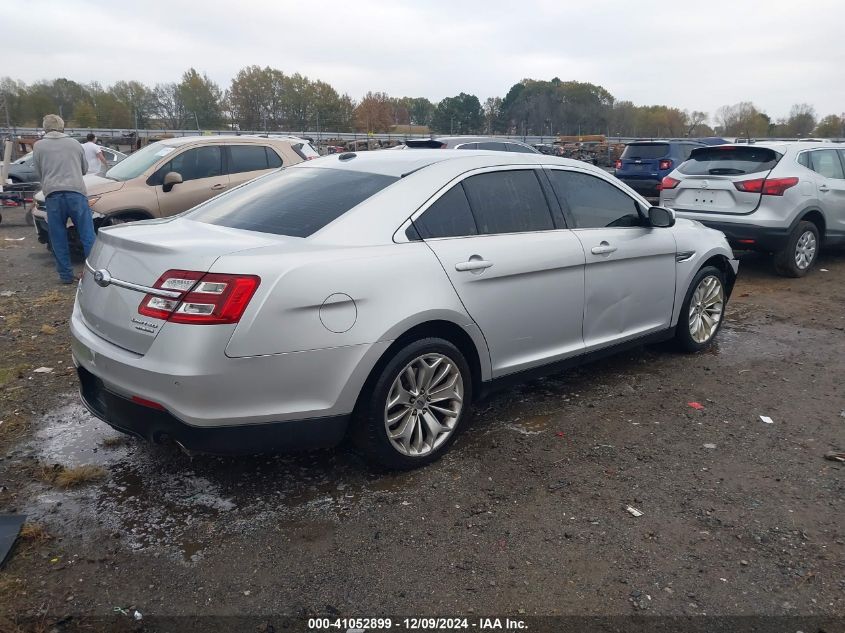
x=173 y=175
x=784 y=198
x=643 y=164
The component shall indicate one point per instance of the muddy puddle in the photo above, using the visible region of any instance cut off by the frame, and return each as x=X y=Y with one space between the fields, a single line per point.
x=156 y=498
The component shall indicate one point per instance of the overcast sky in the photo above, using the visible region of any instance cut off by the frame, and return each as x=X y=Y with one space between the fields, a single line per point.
x=694 y=55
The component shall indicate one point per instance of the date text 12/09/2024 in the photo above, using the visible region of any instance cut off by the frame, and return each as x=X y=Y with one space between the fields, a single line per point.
x=352 y=625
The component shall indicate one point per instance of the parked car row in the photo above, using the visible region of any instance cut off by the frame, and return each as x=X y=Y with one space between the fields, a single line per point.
x=22 y=170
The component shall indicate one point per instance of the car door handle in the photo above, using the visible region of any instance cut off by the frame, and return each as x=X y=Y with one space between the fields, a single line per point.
x=603 y=249
x=218 y=187
x=824 y=188
x=473 y=264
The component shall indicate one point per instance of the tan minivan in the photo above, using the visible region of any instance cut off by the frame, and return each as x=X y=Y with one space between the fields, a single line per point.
x=173 y=175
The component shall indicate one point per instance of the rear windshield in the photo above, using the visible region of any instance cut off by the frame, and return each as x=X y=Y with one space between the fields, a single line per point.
x=295 y=202
x=305 y=151
x=645 y=150
x=428 y=143
x=728 y=160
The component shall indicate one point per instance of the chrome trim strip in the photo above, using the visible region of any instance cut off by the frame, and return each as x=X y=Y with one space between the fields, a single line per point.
x=156 y=292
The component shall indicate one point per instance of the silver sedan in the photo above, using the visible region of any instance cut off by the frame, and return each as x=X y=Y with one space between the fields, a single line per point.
x=380 y=294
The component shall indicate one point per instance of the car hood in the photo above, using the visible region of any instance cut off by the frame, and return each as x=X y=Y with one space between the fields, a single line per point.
x=94 y=185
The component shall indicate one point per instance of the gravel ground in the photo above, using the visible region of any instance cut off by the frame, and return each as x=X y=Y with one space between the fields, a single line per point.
x=525 y=516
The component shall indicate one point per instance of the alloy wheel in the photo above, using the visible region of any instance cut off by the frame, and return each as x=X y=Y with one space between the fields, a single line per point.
x=706 y=308
x=805 y=250
x=424 y=404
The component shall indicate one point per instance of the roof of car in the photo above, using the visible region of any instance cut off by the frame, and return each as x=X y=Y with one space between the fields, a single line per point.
x=400 y=164
x=221 y=138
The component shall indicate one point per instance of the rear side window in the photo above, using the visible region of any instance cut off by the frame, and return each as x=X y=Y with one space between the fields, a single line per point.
x=494 y=146
x=449 y=216
x=593 y=202
x=274 y=161
x=247 y=158
x=647 y=151
x=305 y=151
x=729 y=160
x=826 y=162
x=467 y=146
x=508 y=202
x=295 y=202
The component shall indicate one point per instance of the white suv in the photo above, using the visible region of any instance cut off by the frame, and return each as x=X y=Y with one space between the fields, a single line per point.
x=786 y=198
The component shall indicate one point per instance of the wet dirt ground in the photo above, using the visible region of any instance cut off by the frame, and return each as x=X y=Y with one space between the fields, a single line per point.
x=525 y=515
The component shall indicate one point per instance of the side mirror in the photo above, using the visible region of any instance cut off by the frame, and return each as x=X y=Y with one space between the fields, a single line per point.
x=171 y=178
x=661 y=217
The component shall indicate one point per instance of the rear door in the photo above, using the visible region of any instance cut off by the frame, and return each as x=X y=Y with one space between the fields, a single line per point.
x=202 y=174
x=246 y=162
x=630 y=266
x=830 y=184
x=518 y=272
x=714 y=179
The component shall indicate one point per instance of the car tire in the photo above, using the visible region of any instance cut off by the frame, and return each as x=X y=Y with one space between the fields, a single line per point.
x=801 y=251
x=405 y=380
x=696 y=329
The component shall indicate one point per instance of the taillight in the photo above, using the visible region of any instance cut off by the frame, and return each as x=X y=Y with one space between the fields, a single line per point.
x=204 y=298
x=668 y=183
x=617 y=164
x=666 y=163
x=768 y=187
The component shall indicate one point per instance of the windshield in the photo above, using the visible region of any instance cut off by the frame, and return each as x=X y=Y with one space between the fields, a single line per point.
x=295 y=202
x=645 y=150
x=136 y=164
x=729 y=160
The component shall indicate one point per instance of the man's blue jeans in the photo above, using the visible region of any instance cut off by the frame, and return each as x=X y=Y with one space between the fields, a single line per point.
x=62 y=205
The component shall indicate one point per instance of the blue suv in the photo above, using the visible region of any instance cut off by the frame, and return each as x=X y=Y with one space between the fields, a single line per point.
x=643 y=164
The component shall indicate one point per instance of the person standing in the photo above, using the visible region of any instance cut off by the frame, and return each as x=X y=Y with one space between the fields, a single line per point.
x=60 y=163
x=94 y=155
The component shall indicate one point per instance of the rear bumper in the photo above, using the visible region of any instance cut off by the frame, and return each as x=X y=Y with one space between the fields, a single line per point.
x=158 y=426
x=648 y=187
x=750 y=236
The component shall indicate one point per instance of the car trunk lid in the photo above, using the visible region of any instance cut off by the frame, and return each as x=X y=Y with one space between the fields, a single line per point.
x=134 y=256
x=708 y=180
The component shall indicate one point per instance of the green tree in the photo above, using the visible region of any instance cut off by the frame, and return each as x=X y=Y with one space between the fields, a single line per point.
x=831 y=126
x=84 y=115
x=136 y=99
x=742 y=119
x=461 y=114
x=170 y=107
x=802 y=119
x=201 y=99
x=255 y=97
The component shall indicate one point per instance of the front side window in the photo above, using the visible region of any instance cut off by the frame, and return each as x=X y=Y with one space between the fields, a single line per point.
x=449 y=216
x=194 y=164
x=295 y=202
x=247 y=158
x=593 y=202
x=508 y=202
x=826 y=162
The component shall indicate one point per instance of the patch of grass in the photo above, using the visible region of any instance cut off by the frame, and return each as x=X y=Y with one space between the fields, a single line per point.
x=62 y=477
x=14 y=427
x=50 y=297
x=34 y=533
x=8 y=374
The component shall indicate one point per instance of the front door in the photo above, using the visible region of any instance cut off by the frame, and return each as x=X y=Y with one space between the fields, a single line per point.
x=630 y=266
x=830 y=184
x=202 y=174
x=519 y=276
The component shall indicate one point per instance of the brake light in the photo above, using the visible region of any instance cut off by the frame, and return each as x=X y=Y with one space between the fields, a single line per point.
x=666 y=163
x=767 y=187
x=668 y=183
x=204 y=298
x=617 y=164
x=147 y=403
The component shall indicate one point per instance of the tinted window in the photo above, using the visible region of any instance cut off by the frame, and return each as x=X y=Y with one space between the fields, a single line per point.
x=467 y=146
x=508 y=202
x=826 y=162
x=247 y=158
x=593 y=202
x=294 y=202
x=804 y=159
x=193 y=164
x=274 y=161
x=449 y=216
x=729 y=160
x=513 y=147
x=645 y=150
x=493 y=146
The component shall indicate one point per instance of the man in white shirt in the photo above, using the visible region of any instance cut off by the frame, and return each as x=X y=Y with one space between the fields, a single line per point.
x=94 y=155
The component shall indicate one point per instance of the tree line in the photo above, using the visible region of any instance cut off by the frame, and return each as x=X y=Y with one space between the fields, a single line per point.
x=268 y=99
